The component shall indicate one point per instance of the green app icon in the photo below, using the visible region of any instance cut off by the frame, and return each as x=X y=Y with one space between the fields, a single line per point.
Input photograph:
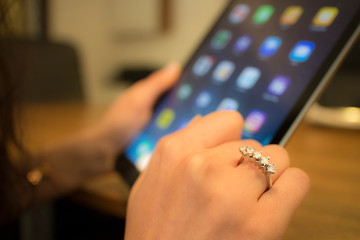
x=263 y=14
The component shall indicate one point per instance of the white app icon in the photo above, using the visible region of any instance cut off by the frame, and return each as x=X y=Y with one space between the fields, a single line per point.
x=228 y=104
x=203 y=65
x=248 y=78
x=223 y=71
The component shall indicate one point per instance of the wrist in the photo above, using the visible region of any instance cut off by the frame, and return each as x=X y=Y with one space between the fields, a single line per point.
x=73 y=162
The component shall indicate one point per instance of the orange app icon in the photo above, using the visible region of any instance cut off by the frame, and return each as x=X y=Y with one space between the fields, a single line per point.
x=291 y=15
x=325 y=16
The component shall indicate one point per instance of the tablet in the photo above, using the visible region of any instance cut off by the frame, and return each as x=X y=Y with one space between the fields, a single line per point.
x=267 y=60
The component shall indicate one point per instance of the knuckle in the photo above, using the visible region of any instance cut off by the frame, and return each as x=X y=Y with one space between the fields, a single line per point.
x=169 y=145
x=194 y=162
x=200 y=170
x=205 y=164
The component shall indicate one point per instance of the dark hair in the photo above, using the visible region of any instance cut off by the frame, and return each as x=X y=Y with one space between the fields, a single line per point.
x=11 y=178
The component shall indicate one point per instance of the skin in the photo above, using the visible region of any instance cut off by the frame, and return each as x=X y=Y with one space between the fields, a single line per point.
x=198 y=187
x=71 y=163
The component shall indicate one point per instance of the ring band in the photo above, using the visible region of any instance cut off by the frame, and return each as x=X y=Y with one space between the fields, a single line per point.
x=262 y=162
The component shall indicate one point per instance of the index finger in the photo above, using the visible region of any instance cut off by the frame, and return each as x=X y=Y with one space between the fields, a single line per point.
x=206 y=132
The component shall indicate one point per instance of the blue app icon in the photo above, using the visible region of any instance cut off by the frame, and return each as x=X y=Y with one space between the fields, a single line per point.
x=270 y=46
x=203 y=99
x=302 y=51
x=141 y=148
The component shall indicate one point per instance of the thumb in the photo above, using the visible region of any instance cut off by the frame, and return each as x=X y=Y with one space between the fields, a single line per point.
x=159 y=82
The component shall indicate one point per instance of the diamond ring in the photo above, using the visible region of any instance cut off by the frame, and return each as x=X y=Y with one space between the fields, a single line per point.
x=262 y=162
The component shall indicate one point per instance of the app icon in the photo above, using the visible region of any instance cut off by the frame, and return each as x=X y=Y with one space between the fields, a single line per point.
x=263 y=14
x=239 y=13
x=144 y=147
x=248 y=78
x=302 y=51
x=223 y=71
x=221 y=39
x=143 y=151
x=203 y=99
x=242 y=44
x=270 y=46
x=139 y=149
x=325 y=16
x=228 y=104
x=254 y=121
x=203 y=65
x=278 y=85
x=165 y=118
x=291 y=15
x=184 y=91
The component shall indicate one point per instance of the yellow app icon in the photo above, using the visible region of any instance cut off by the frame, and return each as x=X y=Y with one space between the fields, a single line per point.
x=165 y=118
x=291 y=15
x=325 y=16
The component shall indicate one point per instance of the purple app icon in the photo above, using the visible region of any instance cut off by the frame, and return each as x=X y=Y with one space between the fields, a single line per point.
x=278 y=85
x=242 y=44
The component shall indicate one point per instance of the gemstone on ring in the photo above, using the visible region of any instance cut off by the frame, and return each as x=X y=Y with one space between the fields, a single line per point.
x=259 y=160
x=262 y=162
x=271 y=168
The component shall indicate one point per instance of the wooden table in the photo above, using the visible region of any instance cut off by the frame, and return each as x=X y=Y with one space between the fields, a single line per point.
x=331 y=157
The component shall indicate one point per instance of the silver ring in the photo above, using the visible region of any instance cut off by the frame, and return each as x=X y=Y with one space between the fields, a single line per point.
x=262 y=162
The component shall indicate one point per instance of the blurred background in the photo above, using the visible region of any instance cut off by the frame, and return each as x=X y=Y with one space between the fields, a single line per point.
x=115 y=40
x=91 y=50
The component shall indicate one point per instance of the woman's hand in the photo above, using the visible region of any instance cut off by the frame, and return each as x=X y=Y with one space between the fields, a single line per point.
x=133 y=109
x=74 y=161
x=198 y=187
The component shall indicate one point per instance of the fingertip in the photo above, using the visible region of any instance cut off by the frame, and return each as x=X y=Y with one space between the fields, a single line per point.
x=226 y=121
x=214 y=129
x=167 y=74
x=233 y=117
x=158 y=82
x=232 y=120
x=172 y=67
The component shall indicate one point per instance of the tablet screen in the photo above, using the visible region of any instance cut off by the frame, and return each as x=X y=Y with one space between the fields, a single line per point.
x=263 y=59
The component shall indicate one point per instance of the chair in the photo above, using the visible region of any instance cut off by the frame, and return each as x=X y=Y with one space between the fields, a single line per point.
x=44 y=71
